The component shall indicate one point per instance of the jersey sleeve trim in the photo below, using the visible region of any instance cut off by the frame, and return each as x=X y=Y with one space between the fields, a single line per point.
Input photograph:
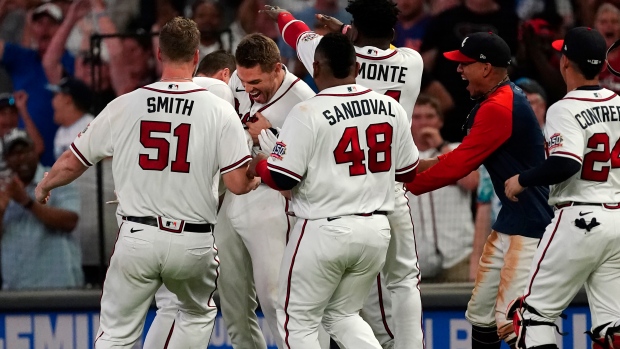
x=236 y=165
x=376 y=58
x=409 y=168
x=568 y=155
x=284 y=171
x=80 y=156
x=174 y=92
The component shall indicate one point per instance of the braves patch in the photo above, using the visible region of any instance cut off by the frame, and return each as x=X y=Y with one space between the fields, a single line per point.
x=84 y=130
x=278 y=151
x=555 y=141
x=309 y=36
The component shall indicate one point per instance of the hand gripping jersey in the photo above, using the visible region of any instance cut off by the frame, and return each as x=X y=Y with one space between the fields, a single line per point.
x=217 y=87
x=168 y=141
x=345 y=145
x=585 y=126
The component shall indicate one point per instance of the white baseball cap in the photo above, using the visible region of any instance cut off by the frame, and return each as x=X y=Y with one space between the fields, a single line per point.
x=49 y=9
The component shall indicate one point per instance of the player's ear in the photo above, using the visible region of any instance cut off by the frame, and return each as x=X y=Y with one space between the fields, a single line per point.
x=196 y=57
x=159 y=54
x=357 y=68
x=316 y=68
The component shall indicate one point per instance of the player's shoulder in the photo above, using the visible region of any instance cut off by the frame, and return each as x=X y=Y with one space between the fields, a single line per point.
x=298 y=88
x=207 y=82
x=409 y=53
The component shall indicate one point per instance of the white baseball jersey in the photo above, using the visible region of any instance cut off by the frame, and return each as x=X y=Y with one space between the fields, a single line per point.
x=393 y=72
x=345 y=146
x=168 y=141
x=292 y=91
x=584 y=126
x=217 y=87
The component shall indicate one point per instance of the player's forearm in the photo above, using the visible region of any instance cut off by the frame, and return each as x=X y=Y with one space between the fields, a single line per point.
x=66 y=169
x=238 y=182
x=554 y=170
x=55 y=218
x=425 y=164
x=291 y=28
x=469 y=182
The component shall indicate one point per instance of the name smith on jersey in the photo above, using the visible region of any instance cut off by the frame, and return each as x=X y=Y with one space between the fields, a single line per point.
x=595 y=115
x=356 y=109
x=170 y=105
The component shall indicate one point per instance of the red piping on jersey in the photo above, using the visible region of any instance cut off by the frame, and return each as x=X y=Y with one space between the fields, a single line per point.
x=344 y=94
x=591 y=99
x=287 y=172
x=217 y=275
x=277 y=99
x=99 y=336
x=169 y=334
x=383 y=318
x=173 y=92
x=417 y=264
x=288 y=222
x=529 y=289
x=612 y=207
x=376 y=58
x=288 y=284
x=236 y=164
x=408 y=168
x=79 y=153
x=567 y=153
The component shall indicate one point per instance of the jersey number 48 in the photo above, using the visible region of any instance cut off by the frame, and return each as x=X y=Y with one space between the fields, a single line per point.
x=379 y=142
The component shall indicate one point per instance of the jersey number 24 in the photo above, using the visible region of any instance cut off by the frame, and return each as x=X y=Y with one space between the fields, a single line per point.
x=379 y=142
x=587 y=171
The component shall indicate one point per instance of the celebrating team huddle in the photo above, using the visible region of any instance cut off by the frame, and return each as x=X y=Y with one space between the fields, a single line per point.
x=244 y=182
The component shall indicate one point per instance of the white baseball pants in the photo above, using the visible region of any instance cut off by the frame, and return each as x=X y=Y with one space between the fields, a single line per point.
x=502 y=275
x=569 y=257
x=145 y=257
x=326 y=275
x=251 y=235
x=396 y=316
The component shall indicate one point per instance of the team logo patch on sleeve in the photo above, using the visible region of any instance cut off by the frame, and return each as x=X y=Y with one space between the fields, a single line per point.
x=278 y=151
x=84 y=130
x=555 y=141
x=309 y=36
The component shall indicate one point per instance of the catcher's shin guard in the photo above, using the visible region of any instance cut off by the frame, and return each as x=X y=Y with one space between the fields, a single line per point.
x=609 y=339
x=485 y=338
x=515 y=312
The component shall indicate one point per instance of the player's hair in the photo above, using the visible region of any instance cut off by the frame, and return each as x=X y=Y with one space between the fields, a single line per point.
x=587 y=70
x=257 y=49
x=339 y=53
x=374 y=18
x=425 y=99
x=179 y=39
x=216 y=61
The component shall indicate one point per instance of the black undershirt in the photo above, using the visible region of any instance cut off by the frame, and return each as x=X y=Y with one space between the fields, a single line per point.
x=554 y=170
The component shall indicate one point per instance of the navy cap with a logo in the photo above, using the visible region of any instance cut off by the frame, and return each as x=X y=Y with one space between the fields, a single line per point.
x=584 y=46
x=484 y=47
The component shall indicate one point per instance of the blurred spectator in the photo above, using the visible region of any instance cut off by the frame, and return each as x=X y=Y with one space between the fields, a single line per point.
x=607 y=22
x=208 y=17
x=26 y=70
x=446 y=32
x=536 y=58
x=528 y=9
x=412 y=22
x=71 y=102
x=439 y=6
x=537 y=97
x=38 y=250
x=444 y=222
x=12 y=108
x=12 y=20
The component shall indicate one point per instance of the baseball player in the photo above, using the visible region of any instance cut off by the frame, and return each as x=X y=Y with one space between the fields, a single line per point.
x=581 y=246
x=168 y=140
x=503 y=134
x=212 y=74
x=395 y=72
x=339 y=152
x=253 y=229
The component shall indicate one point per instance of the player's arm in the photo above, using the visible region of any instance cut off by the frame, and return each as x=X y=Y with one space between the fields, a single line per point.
x=234 y=156
x=407 y=156
x=565 y=146
x=65 y=170
x=237 y=180
x=491 y=128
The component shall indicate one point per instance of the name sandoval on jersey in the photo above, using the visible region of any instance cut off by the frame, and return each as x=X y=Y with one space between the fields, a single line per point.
x=174 y=105
x=382 y=72
x=354 y=109
x=596 y=115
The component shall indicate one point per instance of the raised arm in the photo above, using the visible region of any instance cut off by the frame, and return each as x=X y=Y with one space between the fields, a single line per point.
x=21 y=99
x=52 y=65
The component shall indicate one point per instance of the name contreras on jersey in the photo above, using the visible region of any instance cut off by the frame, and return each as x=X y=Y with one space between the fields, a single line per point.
x=374 y=71
x=595 y=115
x=355 y=109
x=170 y=105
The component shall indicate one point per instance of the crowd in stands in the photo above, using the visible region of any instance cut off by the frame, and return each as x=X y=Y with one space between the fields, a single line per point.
x=52 y=83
